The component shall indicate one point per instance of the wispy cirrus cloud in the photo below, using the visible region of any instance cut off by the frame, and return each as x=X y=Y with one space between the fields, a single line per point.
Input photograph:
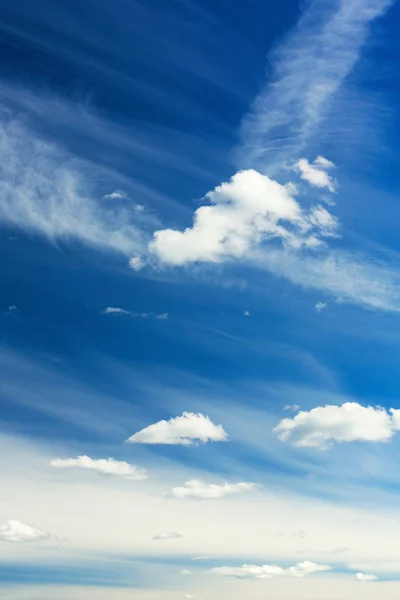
x=307 y=70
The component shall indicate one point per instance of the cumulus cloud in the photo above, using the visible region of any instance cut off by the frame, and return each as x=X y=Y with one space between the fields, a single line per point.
x=136 y=263
x=198 y=489
x=267 y=571
x=167 y=535
x=366 y=577
x=13 y=309
x=315 y=173
x=242 y=213
x=350 y=422
x=15 y=531
x=106 y=466
x=185 y=430
x=320 y=306
x=185 y=572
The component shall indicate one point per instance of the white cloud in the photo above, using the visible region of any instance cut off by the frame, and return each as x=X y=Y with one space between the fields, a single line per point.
x=350 y=422
x=320 y=306
x=244 y=212
x=189 y=596
x=247 y=313
x=324 y=163
x=15 y=531
x=117 y=195
x=185 y=572
x=46 y=191
x=106 y=466
x=198 y=489
x=366 y=577
x=186 y=430
x=138 y=315
x=136 y=263
x=115 y=311
x=13 y=308
x=167 y=535
x=293 y=106
x=267 y=571
x=315 y=174
x=294 y=407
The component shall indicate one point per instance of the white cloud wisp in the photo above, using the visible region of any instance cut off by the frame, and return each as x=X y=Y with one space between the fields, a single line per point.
x=207 y=491
x=268 y=571
x=105 y=466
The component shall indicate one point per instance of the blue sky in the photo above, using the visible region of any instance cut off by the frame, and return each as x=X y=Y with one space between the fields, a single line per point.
x=199 y=304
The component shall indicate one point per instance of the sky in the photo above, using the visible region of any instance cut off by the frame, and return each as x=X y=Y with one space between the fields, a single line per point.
x=199 y=300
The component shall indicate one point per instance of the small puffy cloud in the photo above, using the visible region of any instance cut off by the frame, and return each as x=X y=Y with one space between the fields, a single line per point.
x=195 y=488
x=13 y=309
x=136 y=263
x=106 y=466
x=185 y=430
x=117 y=195
x=315 y=173
x=189 y=596
x=185 y=572
x=293 y=407
x=115 y=311
x=247 y=313
x=267 y=571
x=167 y=535
x=350 y=422
x=320 y=306
x=162 y=316
x=366 y=577
x=249 y=209
x=15 y=531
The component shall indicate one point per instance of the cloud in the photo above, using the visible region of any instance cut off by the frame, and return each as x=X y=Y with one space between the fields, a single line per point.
x=291 y=110
x=198 y=489
x=13 y=309
x=315 y=174
x=320 y=306
x=106 y=466
x=185 y=430
x=139 y=315
x=167 y=535
x=366 y=577
x=15 y=531
x=294 y=407
x=136 y=263
x=189 y=596
x=350 y=422
x=115 y=311
x=185 y=572
x=46 y=191
x=267 y=571
x=247 y=313
x=249 y=209
x=117 y=195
